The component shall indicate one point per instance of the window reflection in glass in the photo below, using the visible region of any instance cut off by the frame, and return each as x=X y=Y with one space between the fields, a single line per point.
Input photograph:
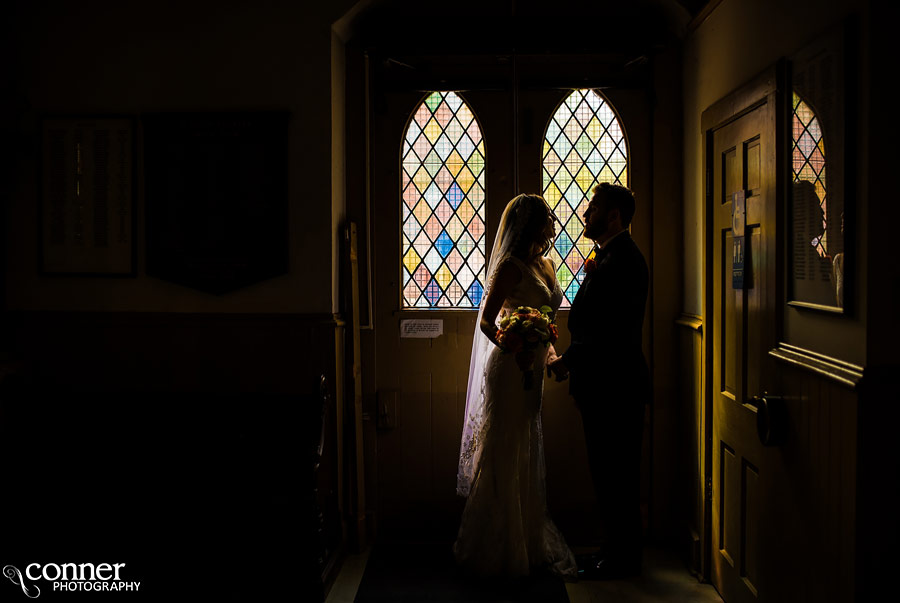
x=817 y=224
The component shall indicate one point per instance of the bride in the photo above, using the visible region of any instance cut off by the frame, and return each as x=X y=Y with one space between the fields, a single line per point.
x=505 y=529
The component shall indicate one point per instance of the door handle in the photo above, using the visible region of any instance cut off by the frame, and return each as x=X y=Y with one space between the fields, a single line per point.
x=771 y=419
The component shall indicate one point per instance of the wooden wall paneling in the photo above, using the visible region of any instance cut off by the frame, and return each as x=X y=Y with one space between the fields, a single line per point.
x=195 y=450
x=810 y=505
x=357 y=466
x=835 y=450
x=331 y=472
x=690 y=495
x=818 y=474
x=792 y=455
x=848 y=490
x=137 y=351
x=829 y=479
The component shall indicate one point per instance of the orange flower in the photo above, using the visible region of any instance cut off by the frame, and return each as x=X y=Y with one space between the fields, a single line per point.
x=554 y=332
x=590 y=265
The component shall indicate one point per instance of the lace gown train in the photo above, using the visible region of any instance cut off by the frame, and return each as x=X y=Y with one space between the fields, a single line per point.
x=505 y=528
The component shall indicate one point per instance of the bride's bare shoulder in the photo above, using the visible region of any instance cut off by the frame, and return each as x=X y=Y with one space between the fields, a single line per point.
x=548 y=267
x=510 y=271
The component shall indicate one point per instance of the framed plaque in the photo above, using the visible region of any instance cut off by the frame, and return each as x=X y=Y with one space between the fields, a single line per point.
x=87 y=224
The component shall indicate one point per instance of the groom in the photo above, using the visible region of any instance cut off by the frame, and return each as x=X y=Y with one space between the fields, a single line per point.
x=610 y=380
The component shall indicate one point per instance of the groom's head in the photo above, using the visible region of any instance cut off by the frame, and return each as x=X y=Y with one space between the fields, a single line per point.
x=609 y=212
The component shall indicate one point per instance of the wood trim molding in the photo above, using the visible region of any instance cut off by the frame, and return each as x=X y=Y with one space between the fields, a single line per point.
x=845 y=373
x=703 y=15
x=169 y=318
x=749 y=96
x=690 y=321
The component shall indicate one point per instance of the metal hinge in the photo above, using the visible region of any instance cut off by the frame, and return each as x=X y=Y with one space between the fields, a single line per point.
x=708 y=493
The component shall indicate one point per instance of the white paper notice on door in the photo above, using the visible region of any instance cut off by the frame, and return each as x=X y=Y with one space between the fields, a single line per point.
x=422 y=328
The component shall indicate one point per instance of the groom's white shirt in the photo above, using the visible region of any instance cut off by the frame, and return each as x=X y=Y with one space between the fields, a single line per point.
x=605 y=243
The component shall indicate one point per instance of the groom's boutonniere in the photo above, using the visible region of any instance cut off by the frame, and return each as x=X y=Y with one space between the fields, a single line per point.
x=590 y=265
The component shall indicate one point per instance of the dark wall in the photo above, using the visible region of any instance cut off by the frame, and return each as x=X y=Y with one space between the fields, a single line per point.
x=197 y=493
x=134 y=59
x=151 y=423
x=181 y=445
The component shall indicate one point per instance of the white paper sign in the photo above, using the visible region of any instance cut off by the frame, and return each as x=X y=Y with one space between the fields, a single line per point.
x=422 y=328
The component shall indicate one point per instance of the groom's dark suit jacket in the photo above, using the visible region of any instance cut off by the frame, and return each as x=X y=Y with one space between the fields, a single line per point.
x=605 y=321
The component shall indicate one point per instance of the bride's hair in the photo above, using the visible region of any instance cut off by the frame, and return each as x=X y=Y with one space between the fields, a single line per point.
x=531 y=240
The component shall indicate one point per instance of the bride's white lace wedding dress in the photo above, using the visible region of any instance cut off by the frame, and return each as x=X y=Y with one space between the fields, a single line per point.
x=505 y=529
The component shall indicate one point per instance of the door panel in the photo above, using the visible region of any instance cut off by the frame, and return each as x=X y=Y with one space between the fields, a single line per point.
x=743 y=332
x=422 y=382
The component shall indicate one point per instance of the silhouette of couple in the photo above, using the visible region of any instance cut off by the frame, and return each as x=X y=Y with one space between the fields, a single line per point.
x=505 y=529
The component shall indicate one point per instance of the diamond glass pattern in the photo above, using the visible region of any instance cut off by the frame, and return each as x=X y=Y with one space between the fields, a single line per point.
x=584 y=145
x=808 y=158
x=442 y=240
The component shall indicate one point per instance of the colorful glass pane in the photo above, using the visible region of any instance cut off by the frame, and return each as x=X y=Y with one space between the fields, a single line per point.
x=584 y=145
x=808 y=159
x=442 y=247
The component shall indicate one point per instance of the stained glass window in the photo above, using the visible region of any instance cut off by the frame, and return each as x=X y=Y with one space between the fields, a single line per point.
x=584 y=145
x=808 y=161
x=442 y=198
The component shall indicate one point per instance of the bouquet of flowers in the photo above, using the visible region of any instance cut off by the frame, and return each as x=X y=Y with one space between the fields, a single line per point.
x=522 y=331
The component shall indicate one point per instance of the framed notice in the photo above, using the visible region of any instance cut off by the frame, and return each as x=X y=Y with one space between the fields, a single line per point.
x=87 y=225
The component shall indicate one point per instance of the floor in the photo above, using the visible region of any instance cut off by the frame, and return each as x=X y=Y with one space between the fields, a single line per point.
x=664 y=579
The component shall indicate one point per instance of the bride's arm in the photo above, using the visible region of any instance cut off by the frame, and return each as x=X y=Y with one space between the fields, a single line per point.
x=551 y=353
x=508 y=276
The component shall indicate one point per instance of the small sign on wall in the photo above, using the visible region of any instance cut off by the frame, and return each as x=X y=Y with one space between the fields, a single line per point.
x=739 y=250
x=421 y=328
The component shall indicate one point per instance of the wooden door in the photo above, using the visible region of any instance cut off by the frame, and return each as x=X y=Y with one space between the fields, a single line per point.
x=422 y=381
x=742 y=160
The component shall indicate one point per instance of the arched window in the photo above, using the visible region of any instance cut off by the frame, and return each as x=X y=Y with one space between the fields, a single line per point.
x=584 y=145
x=442 y=200
x=808 y=161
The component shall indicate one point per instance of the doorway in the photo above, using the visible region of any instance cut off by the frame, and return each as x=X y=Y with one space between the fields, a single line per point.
x=421 y=381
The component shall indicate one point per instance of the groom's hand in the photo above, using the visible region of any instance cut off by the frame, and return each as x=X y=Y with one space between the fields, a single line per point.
x=550 y=360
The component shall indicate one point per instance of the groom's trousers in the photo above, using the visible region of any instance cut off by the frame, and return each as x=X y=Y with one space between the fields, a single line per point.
x=613 y=430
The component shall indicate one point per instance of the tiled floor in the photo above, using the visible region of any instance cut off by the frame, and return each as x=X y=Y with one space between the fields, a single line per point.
x=664 y=579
